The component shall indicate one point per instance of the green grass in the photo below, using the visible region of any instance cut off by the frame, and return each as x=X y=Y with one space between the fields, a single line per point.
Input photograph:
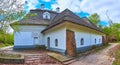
x=4 y=45
x=119 y=42
x=117 y=58
x=6 y=39
x=3 y=55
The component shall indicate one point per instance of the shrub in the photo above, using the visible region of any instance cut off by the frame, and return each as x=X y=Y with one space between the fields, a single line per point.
x=7 y=38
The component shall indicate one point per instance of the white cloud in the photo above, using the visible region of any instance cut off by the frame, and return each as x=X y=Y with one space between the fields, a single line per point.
x=92 y=6
x=47 y=0
x=32 y=4
x=70 y=4
x=101 y=6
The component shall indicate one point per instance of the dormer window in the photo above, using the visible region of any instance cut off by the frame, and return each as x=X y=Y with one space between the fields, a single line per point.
x=46 y=15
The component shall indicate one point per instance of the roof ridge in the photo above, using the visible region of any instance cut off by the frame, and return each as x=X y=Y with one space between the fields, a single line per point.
x=42 y=10
x=65 y=13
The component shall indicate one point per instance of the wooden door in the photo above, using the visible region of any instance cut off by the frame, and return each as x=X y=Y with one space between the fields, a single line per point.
x=104 y=40
x=70 y=43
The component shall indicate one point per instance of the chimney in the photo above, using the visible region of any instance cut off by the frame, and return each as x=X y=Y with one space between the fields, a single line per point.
x=42 y=6
x=58 y=9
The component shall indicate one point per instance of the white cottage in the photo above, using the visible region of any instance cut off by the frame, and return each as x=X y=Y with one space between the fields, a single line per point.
x=63 y=32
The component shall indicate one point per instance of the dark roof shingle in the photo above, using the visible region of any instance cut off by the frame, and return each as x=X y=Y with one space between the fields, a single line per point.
x=38 y=19
x=68 y=15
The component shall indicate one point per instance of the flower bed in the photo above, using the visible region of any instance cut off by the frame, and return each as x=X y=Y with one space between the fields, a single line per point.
x=11 y=58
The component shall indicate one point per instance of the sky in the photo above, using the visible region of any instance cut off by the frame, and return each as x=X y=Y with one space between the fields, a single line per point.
x=83 y=8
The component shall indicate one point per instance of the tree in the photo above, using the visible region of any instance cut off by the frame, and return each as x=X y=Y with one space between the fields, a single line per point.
x=112 y=31
x=116 y=30
x=10 y=10
x=12 y=5
x=95 y=18
x=110 y=21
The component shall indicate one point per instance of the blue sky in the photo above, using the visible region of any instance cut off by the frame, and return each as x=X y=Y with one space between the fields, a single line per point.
x=82 y=7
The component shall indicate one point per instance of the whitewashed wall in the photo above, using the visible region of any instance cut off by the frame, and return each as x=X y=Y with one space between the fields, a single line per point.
x=58 y=33
x=97 y=37
x=89 y=38
x=87 y=34
x=27 y=34
x=23 y=38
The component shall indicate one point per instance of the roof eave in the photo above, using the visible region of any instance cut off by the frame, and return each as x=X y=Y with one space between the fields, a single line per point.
x=71 y=22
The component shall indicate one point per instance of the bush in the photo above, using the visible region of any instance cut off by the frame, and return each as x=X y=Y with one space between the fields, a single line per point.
x=7 y=38
x=1 y=38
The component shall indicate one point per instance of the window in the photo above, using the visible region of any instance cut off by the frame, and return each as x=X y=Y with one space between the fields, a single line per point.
x=36 y=41
x=56 y=42
x=35 y=37
x=48 y=42
x=99 y=40
x=81 y=41
x=95 y=40
x=46 y=15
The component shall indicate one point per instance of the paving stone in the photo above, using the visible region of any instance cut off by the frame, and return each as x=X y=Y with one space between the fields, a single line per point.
x=33 y=57
x=36 y=61
x=29 y=61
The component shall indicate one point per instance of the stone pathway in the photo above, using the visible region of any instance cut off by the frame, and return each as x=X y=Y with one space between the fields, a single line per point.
x=32 y=57
x=38 y=60
x=99 y=58
x=60 y=57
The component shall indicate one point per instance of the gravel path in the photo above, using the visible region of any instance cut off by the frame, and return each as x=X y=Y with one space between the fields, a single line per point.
x=99 y=58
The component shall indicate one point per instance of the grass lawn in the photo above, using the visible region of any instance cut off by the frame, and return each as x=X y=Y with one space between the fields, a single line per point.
x=4 y=45
x=117 y=56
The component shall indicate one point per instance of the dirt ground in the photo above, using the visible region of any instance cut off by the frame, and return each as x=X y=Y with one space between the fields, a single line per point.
x=37 y=57
x=103 y=57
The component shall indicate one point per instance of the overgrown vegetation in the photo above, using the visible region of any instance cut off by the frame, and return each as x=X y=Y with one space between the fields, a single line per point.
x=117 y=58
x=6 y=39
x=112 y=31
x=116 y=55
